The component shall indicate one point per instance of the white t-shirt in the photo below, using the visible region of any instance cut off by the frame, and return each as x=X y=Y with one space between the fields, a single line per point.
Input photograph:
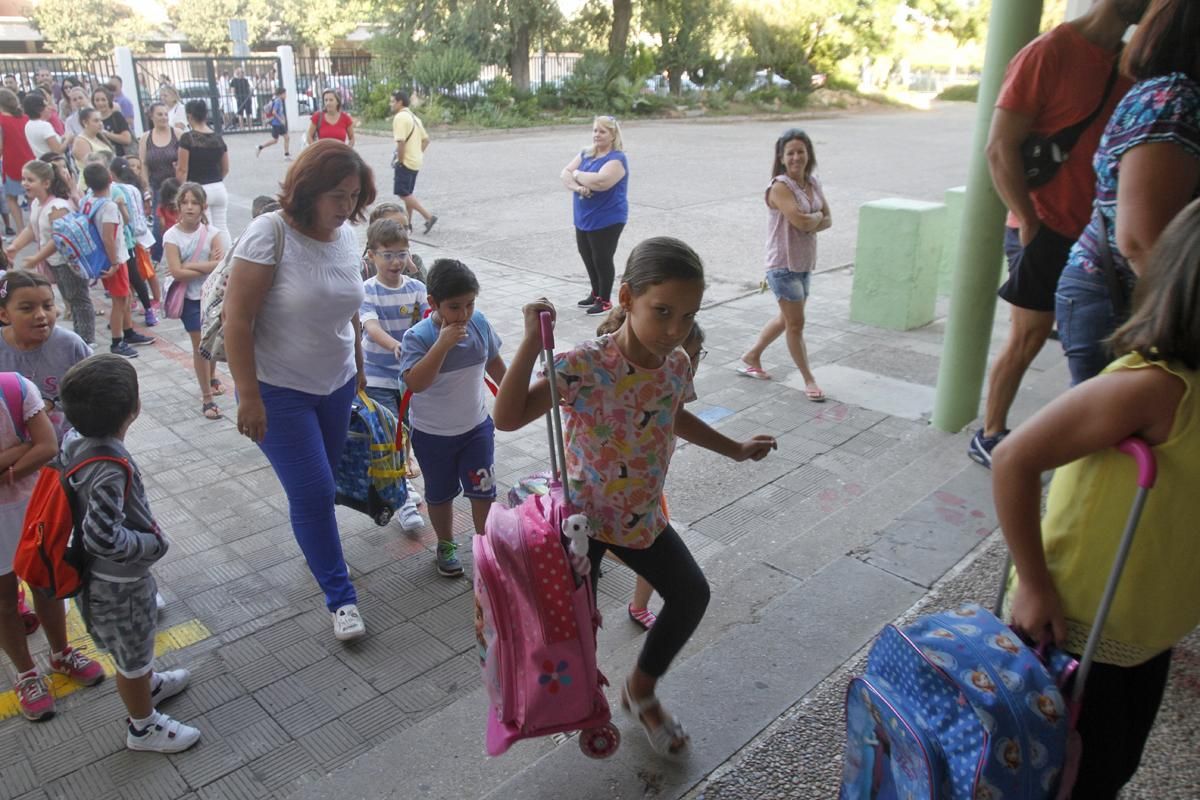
x=303 y=336
x=177 y=117
x=110 y=214
x=42 y=230
x=192 y=249
x=37 y=132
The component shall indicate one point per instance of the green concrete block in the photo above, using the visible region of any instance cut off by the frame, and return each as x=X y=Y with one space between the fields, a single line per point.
x=956 y=199
x=896 y=263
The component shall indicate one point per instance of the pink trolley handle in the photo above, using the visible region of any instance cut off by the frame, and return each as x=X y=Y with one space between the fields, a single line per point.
x=1147 y=468
x=554 y=428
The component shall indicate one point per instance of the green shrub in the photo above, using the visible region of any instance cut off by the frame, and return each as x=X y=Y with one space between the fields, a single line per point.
x=499 y=91
x=548 y=98
x=587 y=86
x=444 y=67
x=966 y=92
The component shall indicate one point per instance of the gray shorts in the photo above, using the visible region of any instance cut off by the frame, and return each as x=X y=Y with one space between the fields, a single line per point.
x=122 y=619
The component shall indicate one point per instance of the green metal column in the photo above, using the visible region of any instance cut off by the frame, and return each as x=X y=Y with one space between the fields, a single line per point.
x=1012 y=25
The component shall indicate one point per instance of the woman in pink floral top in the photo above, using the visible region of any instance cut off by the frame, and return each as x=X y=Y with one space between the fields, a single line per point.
x=623 y=395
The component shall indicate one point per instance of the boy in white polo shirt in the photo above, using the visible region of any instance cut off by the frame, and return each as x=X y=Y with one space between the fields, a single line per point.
x=443 y=359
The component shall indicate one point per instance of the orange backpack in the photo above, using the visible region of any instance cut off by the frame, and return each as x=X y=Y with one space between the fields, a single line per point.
x=51 y=557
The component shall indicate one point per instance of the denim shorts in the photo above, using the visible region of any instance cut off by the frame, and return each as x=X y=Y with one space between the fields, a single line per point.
x=191 y=316
x=789 y=285
x=13 y=188
x=451 y=464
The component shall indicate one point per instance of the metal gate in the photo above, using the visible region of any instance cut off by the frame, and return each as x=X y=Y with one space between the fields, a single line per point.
x=235 y=89
x=20 y=73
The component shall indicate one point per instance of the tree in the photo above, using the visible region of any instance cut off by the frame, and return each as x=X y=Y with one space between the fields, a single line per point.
x=84 y=28
x=621 y=19
x=685 y=30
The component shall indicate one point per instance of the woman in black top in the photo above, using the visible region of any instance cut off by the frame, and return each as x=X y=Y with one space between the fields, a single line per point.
x=116 y=128
x=204 y=159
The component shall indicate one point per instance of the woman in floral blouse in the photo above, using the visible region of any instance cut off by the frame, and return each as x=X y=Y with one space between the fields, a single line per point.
x=1147 y=170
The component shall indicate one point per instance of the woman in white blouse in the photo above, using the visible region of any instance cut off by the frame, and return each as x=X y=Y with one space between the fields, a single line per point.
x=292 y=337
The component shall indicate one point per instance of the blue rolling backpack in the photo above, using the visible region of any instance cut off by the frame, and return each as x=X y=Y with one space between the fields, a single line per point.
x=957 y=707
x=370 y=475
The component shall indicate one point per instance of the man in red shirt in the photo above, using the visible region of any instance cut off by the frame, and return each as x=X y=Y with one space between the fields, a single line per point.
x=1056 y=81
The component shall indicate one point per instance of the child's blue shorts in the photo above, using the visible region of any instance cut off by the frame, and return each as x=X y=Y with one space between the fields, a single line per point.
x=463 y=463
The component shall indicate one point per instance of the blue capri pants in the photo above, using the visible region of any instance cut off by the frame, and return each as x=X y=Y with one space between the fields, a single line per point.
x=304 y=441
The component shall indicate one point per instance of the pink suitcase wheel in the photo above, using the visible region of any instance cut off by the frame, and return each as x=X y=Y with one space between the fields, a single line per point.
x=600 y=742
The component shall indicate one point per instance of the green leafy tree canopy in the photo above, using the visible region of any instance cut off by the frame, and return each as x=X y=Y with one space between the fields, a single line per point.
x=85 y=28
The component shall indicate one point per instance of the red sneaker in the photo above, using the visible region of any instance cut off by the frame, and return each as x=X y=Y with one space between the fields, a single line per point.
x=77 y=666
x=34 y=698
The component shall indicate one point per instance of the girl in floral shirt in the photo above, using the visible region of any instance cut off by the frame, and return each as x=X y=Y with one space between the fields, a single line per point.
x=623 y=397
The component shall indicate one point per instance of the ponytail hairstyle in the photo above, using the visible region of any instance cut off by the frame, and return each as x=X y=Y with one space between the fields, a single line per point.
x=45 y=171
x=16 y=279
x=197 y=193
x=123 y=173
x=613 y=322
x=658 y=260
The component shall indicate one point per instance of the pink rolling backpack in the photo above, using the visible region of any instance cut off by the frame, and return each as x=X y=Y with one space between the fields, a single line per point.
x=536 y=616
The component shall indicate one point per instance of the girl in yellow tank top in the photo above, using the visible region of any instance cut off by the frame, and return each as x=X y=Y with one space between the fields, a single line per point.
x=1062 y=561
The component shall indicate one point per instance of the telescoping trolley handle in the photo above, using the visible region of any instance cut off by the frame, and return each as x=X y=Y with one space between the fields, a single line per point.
x=1147 y=469
x=558 y=452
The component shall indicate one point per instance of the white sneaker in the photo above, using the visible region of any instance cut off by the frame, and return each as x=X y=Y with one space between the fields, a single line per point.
x=166 y=685
x=414 y=496
x=164 y=735
x=410 y=518
x=347 y=624
x=160 y=602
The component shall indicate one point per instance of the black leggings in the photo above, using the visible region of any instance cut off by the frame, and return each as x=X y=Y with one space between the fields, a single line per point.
x=669 y=567
x=137 y=281
x=1119 y=707
x=597 y=249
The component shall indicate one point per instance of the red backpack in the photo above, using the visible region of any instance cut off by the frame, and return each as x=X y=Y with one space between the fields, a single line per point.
x=51 y=556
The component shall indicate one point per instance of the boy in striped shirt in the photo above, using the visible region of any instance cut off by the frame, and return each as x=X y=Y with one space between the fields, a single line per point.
x=393 y=304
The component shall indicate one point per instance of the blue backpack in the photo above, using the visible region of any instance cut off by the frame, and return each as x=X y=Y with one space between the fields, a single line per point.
x=955 y=707
x=370 y=476
x=77 y=238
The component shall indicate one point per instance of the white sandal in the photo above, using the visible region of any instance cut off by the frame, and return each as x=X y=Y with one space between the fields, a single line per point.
x=662 y=737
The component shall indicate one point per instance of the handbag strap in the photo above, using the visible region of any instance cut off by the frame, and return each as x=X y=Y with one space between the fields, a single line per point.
x=14 y=396
x=197 y=247
x=1067 y=137
x=1116 y=287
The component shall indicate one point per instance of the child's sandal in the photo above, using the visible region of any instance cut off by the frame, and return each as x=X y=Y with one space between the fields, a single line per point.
x=661 y=738
x=643 y=617
x=210 y=410
x=218 y=388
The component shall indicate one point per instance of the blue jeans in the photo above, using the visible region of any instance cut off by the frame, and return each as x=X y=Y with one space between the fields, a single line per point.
x=1086 y=317
x=304 y=441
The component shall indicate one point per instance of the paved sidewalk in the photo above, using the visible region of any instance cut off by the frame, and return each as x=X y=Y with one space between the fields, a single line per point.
x=861 y=510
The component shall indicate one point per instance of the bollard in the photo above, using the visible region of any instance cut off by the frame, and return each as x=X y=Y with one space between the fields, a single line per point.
x=896 y=263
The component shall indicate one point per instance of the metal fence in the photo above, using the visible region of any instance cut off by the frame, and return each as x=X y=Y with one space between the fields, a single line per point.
x=236 y=89
x=549 y=69
x=347 y=74
x=20 y=73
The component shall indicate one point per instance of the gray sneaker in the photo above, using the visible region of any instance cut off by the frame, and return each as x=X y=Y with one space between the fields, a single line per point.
x=448 y=564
